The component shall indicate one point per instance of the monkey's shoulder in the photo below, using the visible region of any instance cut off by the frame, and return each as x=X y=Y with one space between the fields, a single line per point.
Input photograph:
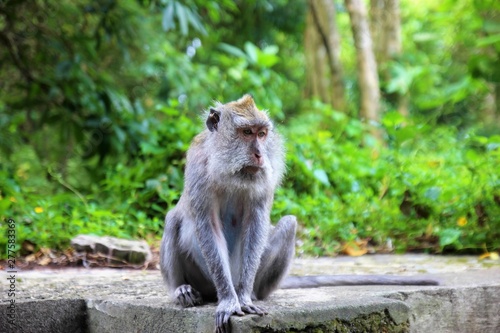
x=199 y=139
x=197 y=159
x=198 y=149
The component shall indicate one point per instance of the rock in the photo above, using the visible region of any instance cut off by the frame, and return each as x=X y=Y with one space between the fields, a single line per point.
x=117 y=250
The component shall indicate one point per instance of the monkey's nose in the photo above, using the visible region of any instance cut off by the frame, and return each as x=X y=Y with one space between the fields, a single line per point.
x=258 y=158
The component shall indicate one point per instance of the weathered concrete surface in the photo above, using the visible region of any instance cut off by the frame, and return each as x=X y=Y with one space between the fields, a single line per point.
x=55 y=316
x=104 y=300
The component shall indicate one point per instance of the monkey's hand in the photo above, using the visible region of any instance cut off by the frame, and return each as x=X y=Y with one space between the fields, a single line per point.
x=225 y=309
x=187 y=296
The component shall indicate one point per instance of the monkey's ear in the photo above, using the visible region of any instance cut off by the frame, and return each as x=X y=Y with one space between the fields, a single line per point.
x=213 y=120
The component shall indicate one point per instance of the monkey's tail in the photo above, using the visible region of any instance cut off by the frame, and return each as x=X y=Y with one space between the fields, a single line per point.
x=294 y=282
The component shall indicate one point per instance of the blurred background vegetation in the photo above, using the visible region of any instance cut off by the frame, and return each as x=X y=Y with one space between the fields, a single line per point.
x=390 y=109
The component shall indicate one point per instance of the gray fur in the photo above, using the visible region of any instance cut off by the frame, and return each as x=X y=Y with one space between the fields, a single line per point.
x=293 y=282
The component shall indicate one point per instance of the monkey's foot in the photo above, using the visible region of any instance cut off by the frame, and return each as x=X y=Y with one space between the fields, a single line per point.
x=225 y=310
x=253 y=309
x=247 y=306
x=188 y=296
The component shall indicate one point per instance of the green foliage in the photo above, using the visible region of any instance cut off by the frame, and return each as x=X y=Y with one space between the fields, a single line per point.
x=129 y=201
x=100 y=100
x=430 y=183
x=445 y=70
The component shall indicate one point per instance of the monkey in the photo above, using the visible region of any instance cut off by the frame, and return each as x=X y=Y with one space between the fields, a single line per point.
x=218 y=243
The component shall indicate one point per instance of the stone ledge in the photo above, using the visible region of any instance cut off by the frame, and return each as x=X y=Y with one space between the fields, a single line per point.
x=79 y=300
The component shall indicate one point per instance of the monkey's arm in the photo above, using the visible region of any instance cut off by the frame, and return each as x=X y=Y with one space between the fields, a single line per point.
x=253 y=247
x=203 y=206
x=295 y=282
x=215 y=253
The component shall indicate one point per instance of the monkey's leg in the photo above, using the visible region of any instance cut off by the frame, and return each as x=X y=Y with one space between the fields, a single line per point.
x=277 y=257
x=176 y=266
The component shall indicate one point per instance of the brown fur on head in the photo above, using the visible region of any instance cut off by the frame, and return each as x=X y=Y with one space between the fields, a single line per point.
x=245 y=107
x=242 y=112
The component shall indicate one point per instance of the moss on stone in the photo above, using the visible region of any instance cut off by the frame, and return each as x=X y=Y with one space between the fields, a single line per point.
x=378 y=322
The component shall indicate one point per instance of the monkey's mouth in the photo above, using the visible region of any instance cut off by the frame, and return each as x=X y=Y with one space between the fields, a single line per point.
x=252 y=170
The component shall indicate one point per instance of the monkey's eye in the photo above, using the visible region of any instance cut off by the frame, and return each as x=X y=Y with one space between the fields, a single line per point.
x=247 y=131
x=261 y=134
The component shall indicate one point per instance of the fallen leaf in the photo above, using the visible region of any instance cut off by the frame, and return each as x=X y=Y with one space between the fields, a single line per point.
x=355 y=249
x=44 y=261
x=491 y=255
x=45 y=250
x=30 y=258
x=28 y=246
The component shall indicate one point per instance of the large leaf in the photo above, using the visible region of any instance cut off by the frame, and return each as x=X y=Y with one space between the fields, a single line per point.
x=252 y=51
x=321 y=176
x=180 y=10
x=233 y=50
x=168 y=17
x=449 y=237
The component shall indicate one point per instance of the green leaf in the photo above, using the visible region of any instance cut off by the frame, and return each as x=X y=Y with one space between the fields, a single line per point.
x=449 y=237
x=196 y=22
x=433 y=193
x=402 y=77
x=153 y=184
x=180 y=10
x=271 y=49
x=393 y=119
x=267 y=60
x=167 y=21
x=425 y=36
x=252 y=51
x=148 y=148
x=488 y=40
x=321 y=176
x=233 y=50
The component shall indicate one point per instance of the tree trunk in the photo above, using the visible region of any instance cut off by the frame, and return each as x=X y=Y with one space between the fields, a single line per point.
x=377 y=17
x=490 y=114
x=322 y=46
x=367 y=66
x=385 y=26
x=315 y=71
x=496 y=116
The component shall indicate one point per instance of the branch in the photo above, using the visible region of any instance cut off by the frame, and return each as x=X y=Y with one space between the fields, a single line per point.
x=7 y=41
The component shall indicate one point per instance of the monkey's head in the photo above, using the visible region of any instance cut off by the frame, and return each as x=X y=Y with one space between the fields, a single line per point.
x=245 y=146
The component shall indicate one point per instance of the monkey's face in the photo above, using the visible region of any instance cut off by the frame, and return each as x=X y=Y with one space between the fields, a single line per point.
x=255 y=139
x=246 y=154
x=243 y=147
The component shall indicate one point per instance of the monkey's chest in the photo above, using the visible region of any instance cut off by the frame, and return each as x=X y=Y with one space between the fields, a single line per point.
x=232 y=225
